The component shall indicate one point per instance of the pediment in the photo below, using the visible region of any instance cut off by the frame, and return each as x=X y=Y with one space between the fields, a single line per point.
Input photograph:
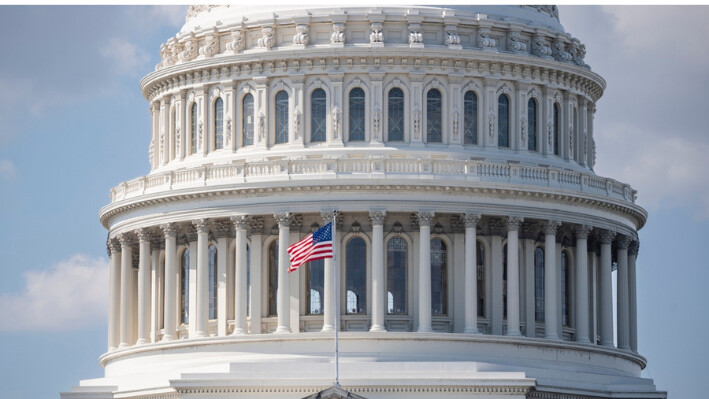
x=334 y=393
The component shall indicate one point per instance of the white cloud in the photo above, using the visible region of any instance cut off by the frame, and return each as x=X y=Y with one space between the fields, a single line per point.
x=128 y=58
x=69 y=295
x=7 y=170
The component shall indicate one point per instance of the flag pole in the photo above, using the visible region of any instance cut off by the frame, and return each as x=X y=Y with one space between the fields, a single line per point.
x=337 y=297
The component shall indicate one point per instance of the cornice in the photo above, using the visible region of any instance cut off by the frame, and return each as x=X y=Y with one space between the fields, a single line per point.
x=305 y=389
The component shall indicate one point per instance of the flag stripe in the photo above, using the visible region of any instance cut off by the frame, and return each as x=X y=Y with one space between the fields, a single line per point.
x=315 y=246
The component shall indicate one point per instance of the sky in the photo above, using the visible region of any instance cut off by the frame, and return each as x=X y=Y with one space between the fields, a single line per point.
x=73 y=124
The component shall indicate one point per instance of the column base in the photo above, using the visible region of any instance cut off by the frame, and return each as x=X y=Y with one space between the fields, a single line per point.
x=238 y=331
x=425 y=330
x=166 y=338
x=123 y=345
x=584 y=340
x=328 y=328
x=141 y=341
x=624 y=347
x=513 y=333
x=282 y=330
x=200 y=334
x=471 y=330
x=377 y=328
x=552 y=337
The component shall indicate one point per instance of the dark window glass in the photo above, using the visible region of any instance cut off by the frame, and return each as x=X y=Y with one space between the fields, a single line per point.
x=557 y=126
x=316 y=284
x=396 y=276
x=281 y=117
x=439 y=277
x=539 y=284
x=185 y=287
x=273 y=278
x=219 y=124
x=248 y=119
x=434 y=117
x=193 y=127
x=565 y=290
x=248 y=280
x=213 y=276
x=481 y=280
x=470 y=118
x=396 y=115
x=356 y=114
x=532 y=125
x=503 y=121
x=318 y=114
x=356 y=276
x=504 y=281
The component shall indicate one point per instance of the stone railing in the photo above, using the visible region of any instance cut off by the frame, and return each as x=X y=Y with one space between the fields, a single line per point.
x=400 y=170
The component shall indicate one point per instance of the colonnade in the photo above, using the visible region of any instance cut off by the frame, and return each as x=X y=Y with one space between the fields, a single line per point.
x=155 y=315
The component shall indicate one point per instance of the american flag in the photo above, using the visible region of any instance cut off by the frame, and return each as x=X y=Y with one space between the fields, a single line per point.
x=313 y=247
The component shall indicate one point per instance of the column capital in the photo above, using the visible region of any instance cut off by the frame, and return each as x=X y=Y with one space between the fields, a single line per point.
x=328 y=216
x=144 y=234
x=470 y=219
x=425 y=218
x=377 y=217
x=169 y=229
x=222 y=228
x=514 y=222
x=114 y=245
x=202 y=225
x=550 y=227
x=634 y=248
x=240 y=221
x=605 y=236
x=582 y=231
x=622 y=241
x=126 y=239
x=284 y=219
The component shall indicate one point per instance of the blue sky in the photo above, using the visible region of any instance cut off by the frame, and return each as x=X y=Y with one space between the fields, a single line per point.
x=73 y=124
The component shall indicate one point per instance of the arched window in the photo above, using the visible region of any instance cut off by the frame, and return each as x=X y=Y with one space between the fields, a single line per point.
x=532 y=125
x=356 y=114
x=557 y=126
x=185 y=287
x=439 y=277
x=396 y=276
x=504 y=281
x=273 y=278
x=193 y=127
x=316 y=284
x=539 y=284
x=503 y=121
x=282 y=117
x=434 y=117
x=247 y=116
x=356 y=276
x=470 y=118
x=396 y=115
x=213 y=276
x=481 y=279
x=565 y=290
x=318 y=116
x=219 y=124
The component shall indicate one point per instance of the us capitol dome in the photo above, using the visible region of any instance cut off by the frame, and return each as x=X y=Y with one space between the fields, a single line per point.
x=452 y=147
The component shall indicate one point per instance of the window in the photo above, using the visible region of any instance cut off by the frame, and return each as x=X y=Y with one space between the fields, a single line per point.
x=396 y=276
x=281 y=117
x=185 y=287
x=539 y=284
x=273 y=278
x=565 y=290
x=356 y=114
x=532 y=125
x=504 y=281
x=193 y=127
x=219 y=124
x=213 y=276
x=318 y=116
x=470 y=118
x=396 y=115
x=439 y=277
x=481 y=280
x=434 y=117
x=557 y=126
x=503 y=121
x=248 y=119
x=316 y=284
x=356 y=276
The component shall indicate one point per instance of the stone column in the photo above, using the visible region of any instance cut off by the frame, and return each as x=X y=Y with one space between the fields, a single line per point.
x=424 y=292
x=329 y=279
x=606 y=290
x=222 y=232
x=513 y=224
x=632 y=294
x=378 y=289
x=551 y=289
x=126 y=240
x=529 y=236
x=240 y=286
x=114 y=292
x=582 y=283
x=623 y=302
x=471 y=273
x=282 y=305
x=156 y=292
x=336 y=107
x=143 y=286
x=202 y=311
x=171 y=272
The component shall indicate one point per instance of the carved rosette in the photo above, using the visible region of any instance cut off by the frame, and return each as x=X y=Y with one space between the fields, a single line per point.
x=470 y=219
x=582 y=231
x=284 y=219
x=240 y=221
x=514 y=223
x=550 y=227
x=424 y=218
x=377 y=217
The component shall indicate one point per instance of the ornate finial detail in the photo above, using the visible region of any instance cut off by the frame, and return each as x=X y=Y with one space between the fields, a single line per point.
x=515 y=43
x=415 y=35
x=193 y=10
x=376 y=35
x=202 y=225
x=283 y=219
x=240 y=221
x=514 y=223
x=301 y=36
x=484 y=39
x=190 y=51
x=559 y=50
x=256 y=224
x=328 y=216
x=377 y=217
x=551 y=226
x=540 y=48
x=470 y=219
x=237 y=41
x=451 y=37
x=622 y=241
x=634 y=248
x=211 y=46
x=169 y=229
x=606 y=236
x=338 y=33
x=582 y=231
x=424 y=218
x=126 y=239
x=266 y=40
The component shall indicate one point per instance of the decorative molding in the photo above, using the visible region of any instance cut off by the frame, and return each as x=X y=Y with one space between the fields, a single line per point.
x=377 y=217
x=582 y=231
x=514 y=223
x=550 y=227
x=283 y=219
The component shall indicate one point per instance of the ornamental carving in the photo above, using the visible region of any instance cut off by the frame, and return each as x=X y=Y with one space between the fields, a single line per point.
x=571 y=140
x=283 y=219
x=550 y=227
x=540 y=48
x=484 y=39
x=514 y=223
x=328 y=216
x=202 y=225
x=515 y=43
x=266 y=40
x=126 y=239
x=376 y=217
x=451 y=37
x=634 y=248
x=606 y=236
x=296 y=122
x=151 y=153
x=376 y=35
x=227 y=131
x=338 y=33
x=240 y=221
x=190 y=51
x=454 y=119
x=559 y=51
x=523 y=131
x=237 y=41
x=580 y=55
x=260 y=126
x=424 y=218
x=550 y=132
x=491 y=124
x=222 y=228
x=169 y=229
x=256 y=224
x=200 y=130
x=301 y=36
x=622 y=241
x=496 y=227
x=415 y=35
x=582 y=231
x=377 y=120
x=144 y=234
x=336 y=121
x=470 y=219
x=211 y=46
x=417 y=123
